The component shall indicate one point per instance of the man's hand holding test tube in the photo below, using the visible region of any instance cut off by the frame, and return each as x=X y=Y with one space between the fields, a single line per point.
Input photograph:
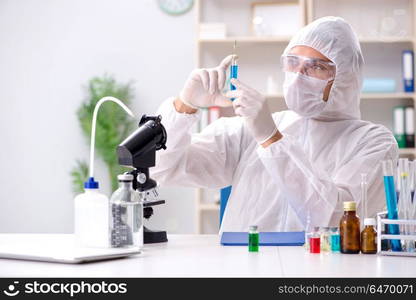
x=204 y=89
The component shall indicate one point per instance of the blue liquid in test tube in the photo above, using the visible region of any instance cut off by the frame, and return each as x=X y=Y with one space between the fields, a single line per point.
x=391 y=201
x=335 y=243
x=233 y=74
x=233 y=68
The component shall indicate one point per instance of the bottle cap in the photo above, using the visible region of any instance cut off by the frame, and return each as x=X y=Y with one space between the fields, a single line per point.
x=369 y=222
x=91 y=184
x=253 y=228
x=350 y=205
x=125 y=177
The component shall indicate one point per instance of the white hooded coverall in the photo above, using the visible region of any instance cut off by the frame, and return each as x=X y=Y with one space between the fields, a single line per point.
x=313 y=169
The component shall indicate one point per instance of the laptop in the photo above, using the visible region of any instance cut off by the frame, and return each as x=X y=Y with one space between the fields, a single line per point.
x=59 y=248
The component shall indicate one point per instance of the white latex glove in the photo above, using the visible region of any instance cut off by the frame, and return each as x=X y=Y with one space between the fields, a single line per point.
x=251 y=105
x=204 y=87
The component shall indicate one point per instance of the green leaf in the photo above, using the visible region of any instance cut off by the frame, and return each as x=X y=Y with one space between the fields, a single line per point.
x=79 y=175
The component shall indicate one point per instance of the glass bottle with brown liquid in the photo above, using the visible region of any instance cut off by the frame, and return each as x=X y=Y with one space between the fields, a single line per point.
x=369 y=237
x=349 y=226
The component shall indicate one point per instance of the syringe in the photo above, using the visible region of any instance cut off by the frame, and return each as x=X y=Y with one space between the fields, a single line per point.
x=233 y=68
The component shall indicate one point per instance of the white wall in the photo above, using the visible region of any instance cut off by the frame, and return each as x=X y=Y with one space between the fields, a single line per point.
x=48 y=50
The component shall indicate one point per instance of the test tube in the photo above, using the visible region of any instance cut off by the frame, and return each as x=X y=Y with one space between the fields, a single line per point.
x=405 y=200
x=412 y=178
x=335 y=240
x=325 y=239
x=412 y=213
x=253 y=239
x=364 y=187
x=315 y=241
x=233 y=68
x=404 y=181
x=412 y=204
x=308 y=231
x=391 y=200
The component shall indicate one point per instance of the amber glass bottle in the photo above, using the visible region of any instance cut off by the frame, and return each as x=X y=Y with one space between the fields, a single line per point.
x=369 y=237
x=349 y=227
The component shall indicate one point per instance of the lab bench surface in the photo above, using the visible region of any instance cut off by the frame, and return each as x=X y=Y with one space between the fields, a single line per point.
x=203 y=256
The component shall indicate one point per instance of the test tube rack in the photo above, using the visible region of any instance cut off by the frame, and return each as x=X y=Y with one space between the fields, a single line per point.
x=381 y=221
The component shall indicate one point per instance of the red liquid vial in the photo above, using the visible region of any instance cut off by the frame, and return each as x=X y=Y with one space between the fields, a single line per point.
x=315 y=244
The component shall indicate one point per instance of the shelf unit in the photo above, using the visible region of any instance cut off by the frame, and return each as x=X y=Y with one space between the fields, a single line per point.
x=372 y=96
x=253 y=39
x=246 y=40
x=207 y=54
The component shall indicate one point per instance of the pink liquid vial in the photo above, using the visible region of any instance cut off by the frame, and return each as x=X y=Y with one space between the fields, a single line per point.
x=315 y=244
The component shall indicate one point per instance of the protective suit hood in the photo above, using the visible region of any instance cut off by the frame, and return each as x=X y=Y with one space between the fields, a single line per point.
x=335 y=39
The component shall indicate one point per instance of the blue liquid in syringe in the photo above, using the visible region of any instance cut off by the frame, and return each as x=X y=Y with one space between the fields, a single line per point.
x=391 y=201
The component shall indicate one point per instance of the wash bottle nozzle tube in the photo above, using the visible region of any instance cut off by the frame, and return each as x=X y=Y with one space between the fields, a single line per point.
x=94 y=121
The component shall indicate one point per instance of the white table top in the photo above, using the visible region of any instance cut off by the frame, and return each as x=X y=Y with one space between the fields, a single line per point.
x=203 y=256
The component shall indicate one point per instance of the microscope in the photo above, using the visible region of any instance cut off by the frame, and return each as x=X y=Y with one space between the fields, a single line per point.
x=138 y=151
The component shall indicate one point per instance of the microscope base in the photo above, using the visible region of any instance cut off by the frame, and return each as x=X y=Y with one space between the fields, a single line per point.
x=154 y=236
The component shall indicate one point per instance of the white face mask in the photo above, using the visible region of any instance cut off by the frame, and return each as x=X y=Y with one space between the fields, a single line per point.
x=304 y=94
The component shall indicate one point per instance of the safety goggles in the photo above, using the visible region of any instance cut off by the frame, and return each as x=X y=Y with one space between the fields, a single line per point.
x=313 y=67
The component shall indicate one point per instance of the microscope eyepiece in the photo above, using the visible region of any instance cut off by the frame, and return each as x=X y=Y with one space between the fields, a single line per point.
x=138 y=150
